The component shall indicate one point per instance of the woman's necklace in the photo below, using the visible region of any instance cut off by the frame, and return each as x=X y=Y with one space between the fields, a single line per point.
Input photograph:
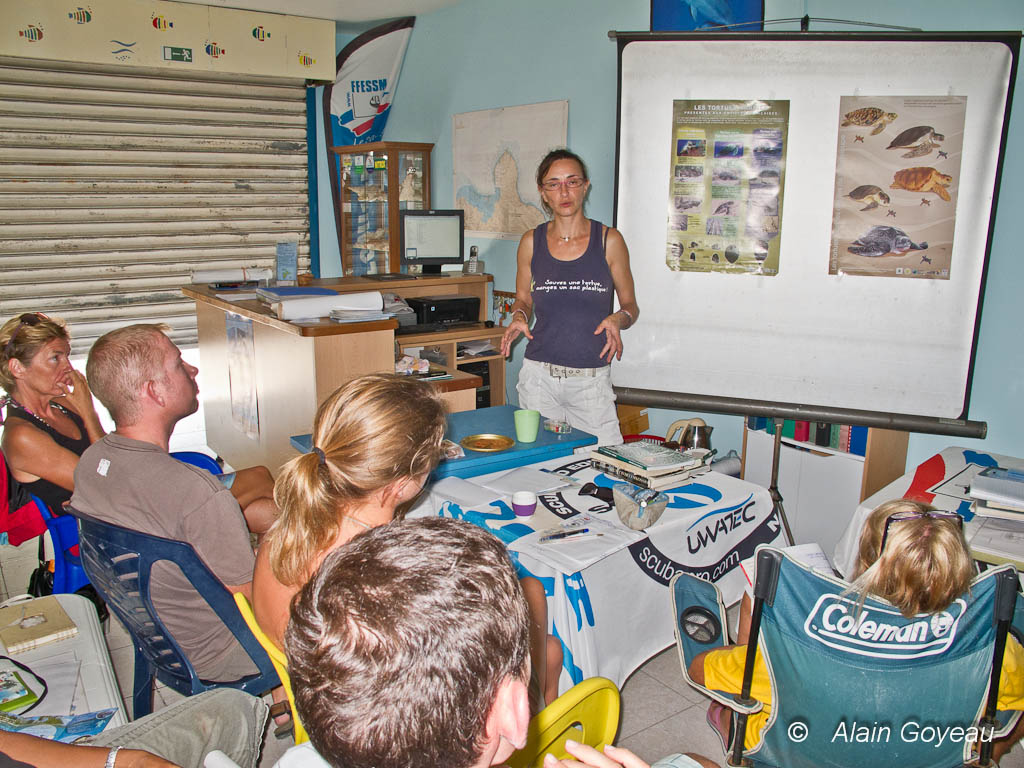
x=566 y=238
x=8 y=399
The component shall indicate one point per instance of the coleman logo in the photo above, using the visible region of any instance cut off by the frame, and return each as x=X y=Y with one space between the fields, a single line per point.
x=837 y=622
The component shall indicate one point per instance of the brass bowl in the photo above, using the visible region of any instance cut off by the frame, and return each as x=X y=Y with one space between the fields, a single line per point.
x=487 y=443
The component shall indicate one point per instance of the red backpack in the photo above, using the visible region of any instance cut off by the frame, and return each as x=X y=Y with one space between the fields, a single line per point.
x=19 y=516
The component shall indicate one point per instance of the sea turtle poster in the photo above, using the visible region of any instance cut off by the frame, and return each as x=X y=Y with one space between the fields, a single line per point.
x=725 y=192
x=897 y=174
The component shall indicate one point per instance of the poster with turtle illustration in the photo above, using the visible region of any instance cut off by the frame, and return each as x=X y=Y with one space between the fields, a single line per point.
x=725 y=191
x=897 y=173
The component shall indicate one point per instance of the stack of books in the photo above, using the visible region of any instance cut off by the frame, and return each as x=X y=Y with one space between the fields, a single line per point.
x=998 y=492
x=648 y=465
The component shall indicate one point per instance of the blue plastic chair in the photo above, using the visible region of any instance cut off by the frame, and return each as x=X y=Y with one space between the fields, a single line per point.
x=68 y=574
x=198 y=459
x=119 y=561
x=845 y=685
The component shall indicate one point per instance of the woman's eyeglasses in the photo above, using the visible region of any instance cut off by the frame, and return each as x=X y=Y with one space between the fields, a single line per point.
x=30 y=319
x=573 y=182
x=913 y=515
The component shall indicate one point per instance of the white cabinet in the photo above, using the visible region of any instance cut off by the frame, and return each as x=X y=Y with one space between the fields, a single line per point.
x=821 y=488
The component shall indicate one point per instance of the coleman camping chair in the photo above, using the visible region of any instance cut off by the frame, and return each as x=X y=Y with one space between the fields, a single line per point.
x=856 y=685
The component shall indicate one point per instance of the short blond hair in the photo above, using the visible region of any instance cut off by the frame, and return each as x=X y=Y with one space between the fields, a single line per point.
x=373 y=431
x=28 y=340
x=925 y=564
x=120 y=363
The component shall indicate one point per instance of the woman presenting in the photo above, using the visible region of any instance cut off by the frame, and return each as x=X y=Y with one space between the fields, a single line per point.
x=568 y=269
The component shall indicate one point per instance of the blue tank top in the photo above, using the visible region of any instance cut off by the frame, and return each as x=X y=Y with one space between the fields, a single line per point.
x=570 y=299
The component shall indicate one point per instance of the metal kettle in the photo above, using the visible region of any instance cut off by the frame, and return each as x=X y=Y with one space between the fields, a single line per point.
x=695 y=434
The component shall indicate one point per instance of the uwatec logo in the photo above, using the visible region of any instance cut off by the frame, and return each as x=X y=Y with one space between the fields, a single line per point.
x=839 y=623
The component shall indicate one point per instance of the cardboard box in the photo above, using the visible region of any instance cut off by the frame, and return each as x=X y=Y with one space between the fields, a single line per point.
x=632 y=419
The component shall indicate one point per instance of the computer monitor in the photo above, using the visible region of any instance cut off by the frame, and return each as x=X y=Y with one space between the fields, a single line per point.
x=431 y=238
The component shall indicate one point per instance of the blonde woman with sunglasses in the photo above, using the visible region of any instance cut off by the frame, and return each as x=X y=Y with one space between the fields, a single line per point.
x=569 y=271
x=50 y=415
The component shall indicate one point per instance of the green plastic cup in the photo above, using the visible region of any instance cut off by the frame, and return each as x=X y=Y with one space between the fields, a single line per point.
x=527 y=425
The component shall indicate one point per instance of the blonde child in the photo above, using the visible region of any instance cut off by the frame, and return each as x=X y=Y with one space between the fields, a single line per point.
x=910 y=555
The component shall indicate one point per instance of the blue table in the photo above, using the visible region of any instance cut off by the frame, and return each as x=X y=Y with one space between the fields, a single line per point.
x=499 y=421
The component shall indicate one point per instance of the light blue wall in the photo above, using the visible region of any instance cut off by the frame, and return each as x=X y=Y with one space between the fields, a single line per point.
x=480 y=55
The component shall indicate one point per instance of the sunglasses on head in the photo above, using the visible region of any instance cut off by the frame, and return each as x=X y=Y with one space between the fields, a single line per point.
x=913 y=515
x=30 y=319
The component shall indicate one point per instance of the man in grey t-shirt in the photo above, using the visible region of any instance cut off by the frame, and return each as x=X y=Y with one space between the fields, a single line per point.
x=128 y=478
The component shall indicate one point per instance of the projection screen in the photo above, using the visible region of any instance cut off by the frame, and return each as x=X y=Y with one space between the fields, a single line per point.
x=883 y=340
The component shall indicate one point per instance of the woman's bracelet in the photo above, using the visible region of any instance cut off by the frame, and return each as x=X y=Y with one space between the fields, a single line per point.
x=111 y=757
x=628 y=314
x=523 y=313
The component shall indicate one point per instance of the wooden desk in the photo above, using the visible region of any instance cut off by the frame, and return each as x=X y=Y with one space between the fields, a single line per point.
x=296 y=366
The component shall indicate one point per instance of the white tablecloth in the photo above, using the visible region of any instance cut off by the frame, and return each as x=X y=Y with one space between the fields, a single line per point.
x=614 y=614
x=941 y=481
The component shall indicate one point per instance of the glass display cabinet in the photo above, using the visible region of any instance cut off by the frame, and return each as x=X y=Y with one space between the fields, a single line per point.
x=376 y=181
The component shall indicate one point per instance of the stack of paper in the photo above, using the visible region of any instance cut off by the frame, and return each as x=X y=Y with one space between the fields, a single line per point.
x=475 y=348
x=603 y=537
x=271 y=294
x=1001 y=538
x=527 y=479
x=809 y=554
x=367 y=302
x=357 y=316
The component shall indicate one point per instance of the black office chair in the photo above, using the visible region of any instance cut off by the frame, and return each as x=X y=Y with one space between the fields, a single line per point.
x=119 y=562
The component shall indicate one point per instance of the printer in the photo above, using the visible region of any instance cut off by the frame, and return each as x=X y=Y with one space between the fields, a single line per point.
x=453 y=308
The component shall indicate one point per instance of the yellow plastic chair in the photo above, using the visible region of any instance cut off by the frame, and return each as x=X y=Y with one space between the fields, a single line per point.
x=588 y=713
x=280 y=662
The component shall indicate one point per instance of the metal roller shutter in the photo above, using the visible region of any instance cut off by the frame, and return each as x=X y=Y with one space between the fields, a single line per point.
x=117 y=182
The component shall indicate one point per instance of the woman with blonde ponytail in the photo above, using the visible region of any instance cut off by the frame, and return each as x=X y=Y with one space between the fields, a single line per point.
x=375 y=440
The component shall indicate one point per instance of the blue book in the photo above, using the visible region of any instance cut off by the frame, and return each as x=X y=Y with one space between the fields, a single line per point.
x=858 y=440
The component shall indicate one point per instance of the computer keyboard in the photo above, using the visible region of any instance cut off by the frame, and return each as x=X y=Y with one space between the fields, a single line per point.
x=403 y=330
